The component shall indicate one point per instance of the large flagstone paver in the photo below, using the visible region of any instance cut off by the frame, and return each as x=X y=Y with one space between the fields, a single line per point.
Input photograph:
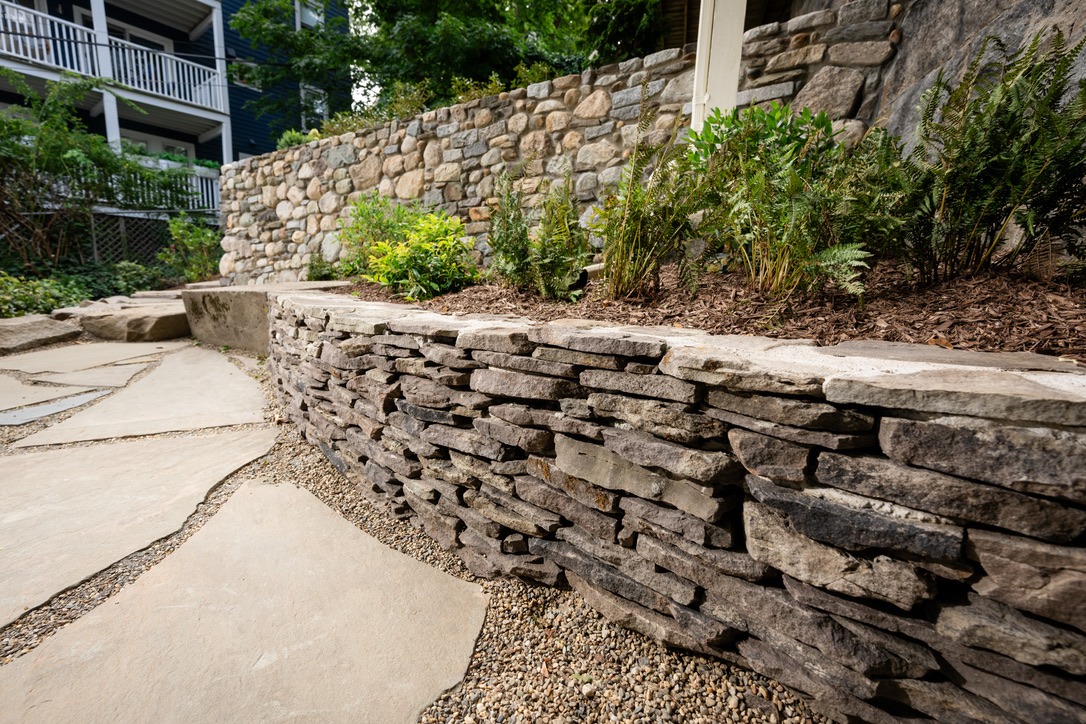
x=15 y=393
x=190 y=390
x=34 y=413
x=114 y=376
x=67 y=514
x=277 y=609
x=84 y=356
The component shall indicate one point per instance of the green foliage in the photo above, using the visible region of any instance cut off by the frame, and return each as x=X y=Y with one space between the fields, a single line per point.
x=404 y=100
x=322 y=57
x=132 y=277
x=622 y=29
x=1005 y=147
x=464 y=90
x=319 y=269
x=793 y=209
x=53 y=172
x=510 y=237
x=19 y=296
x=537 y=72
x=371 y=220
x=432 y=260
x=560 y=250
x=647 y=222
x=291 y=137
x=194 y=253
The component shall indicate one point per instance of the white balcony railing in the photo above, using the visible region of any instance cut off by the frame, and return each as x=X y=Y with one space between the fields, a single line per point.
x=41 y=38
x=45 y=40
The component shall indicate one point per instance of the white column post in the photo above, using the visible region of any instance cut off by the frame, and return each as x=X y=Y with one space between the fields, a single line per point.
x=720 y=48
x=220 y=66
x=105 y=70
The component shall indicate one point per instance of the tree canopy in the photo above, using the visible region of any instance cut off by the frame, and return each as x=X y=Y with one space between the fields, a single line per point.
x=432 y=42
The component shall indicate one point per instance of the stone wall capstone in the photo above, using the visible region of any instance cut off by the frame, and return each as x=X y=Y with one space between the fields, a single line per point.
x=893 y=530
x=282 y=207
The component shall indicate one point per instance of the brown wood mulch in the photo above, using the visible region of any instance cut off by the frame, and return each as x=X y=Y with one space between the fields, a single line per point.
x=990 y=312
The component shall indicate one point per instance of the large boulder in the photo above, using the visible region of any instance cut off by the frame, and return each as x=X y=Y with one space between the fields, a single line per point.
x=35 y=330
x=143 y=323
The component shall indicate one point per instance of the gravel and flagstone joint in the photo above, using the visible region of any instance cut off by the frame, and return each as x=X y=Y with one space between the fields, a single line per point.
x=887 y=528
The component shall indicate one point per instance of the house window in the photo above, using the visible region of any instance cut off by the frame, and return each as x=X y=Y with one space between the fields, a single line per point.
x=241 y=73
x=314 y=106
x=308 y=13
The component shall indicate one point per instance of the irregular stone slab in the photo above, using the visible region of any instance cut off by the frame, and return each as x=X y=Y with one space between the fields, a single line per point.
x=39 y=412
x=190 y=390
x=554 y=421
x=144 y=323
x=659 y=386
x=786 y=411
x=604 y=468
x=971 y=391
x=581 y=491
x=236 y=317
x=533 y=490
x=817 y=438
x=772 y=541
x=857 y=529
x=598 y=338
x=934 y=355
x=693 y=529
x=1035 y=460
x=302 y=616
x=67 y=514
x=34 y=330
x=954 y=497
x=771 y=457
x=84 y=356
x=944 y=701
x=644 y=449
x=669 y=420
x=1024 y=702
x=1044 y=579
x=993 y=626
x=515 y=384
x=15 y=393
x=115 y=376
x=531 y=365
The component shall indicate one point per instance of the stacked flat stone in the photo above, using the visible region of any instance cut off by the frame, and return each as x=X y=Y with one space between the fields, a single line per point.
x=281 y=208
x=893 y=530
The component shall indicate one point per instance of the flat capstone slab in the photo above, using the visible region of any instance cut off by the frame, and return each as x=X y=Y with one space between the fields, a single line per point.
x=34 y=330
x=277 y=609
x=190 y=390
x=114 y=376
x=33 y=413
x=16 y=393
x=67 y=514
x=84 y=356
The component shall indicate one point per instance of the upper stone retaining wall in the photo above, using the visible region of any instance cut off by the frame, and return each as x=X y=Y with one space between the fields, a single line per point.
x=282 y=207
x=894 y=530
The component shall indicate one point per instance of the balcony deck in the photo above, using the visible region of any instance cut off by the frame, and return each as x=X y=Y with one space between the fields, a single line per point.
x=40 y=39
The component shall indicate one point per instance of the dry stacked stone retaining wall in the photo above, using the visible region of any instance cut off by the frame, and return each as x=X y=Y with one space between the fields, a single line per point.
x=282 y=207
x=895 y=530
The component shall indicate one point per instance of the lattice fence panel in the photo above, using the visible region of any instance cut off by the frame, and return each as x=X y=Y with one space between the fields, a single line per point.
x=128 y=238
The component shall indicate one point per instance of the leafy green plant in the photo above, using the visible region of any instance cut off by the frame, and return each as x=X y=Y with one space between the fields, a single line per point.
x=1005 y=147
x=465 y=90
x=537 y=72
x=648 y=220
x=19 y=296
x=510 y=234
x=560 y=249
x=371 y=220
x=432 y=260
x=131 y=277
x=194 y=252
x=403 y=100
x=319 y=269
x=793 y=209
x=291 y=137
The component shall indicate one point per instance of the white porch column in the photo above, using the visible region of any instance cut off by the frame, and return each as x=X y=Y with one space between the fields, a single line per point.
x=105 y=70
x=720 y=48
x=220 y=66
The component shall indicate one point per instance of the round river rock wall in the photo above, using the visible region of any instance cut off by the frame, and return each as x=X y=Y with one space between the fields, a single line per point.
x=895 y=531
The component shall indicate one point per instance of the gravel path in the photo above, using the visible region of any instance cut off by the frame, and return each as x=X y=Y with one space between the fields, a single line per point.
x=543 y=655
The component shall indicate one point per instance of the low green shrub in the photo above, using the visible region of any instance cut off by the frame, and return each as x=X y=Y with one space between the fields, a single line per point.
x=465 y=90
x=1000 y=162
x=291 y=137
x=560 y=249
x=131 y=277
x=19 y=296
x=510 y=234
x=194 y=252
x=370 y=220
x=431 y=260
x=319 y=269
x=792 y=210
x=537 y=72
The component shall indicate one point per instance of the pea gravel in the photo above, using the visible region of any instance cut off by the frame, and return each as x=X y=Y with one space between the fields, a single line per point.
x=542 y=656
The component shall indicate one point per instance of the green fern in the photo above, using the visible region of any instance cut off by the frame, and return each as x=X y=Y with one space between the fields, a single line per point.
x=560 y=249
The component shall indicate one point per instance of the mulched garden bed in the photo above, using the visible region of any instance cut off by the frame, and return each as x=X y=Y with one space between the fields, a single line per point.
x=991 y=312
